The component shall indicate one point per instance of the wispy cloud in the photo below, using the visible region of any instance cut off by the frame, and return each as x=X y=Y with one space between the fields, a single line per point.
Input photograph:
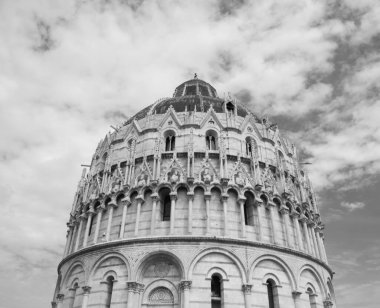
x=352 y=206
x=72 y=68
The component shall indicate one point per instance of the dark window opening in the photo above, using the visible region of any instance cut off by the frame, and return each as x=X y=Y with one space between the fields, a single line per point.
x=248 y=148
x=211 y=143
x=230 y=108
x=270 y=286
x=91 y=223
x=110 y=281
x=203 y=90
x=165 y=204
x=216 y=291
x=170 y=143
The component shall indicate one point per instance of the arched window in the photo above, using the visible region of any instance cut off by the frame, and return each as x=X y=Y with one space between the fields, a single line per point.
x=73 y=293
x=110 y=282
x=165 y=204
x=216 y=291
x=270 y=291
x=169 y=141
x=211 y=140
x=230 y=108
x=248 y=208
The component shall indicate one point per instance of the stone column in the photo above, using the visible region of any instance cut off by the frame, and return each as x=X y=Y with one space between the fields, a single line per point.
x=313 y=299
x=207 y=198
x=60 y=300
x=241 y=201
x=295 y=217
x=303 y=220
x=134 y=289
x=126 y=203
x=154 y=209
x=297 y=299
x=79 y=231
x=247 y=289
x=88 y=225
x=285 y=214
x=320 y=239
x=190 y=196
x=98 y=222
x=259 y=222
x=271 y=206
x=173 y=198
x=69 y=239
x=111 y=206
x=86 y=293
x=314 y=240
x=139 y=200
x=185 y=286
x=72 y=243
x=225 y=212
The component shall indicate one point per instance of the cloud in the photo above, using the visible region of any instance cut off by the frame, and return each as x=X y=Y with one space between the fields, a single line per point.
x=352 y=206
x=72 y=68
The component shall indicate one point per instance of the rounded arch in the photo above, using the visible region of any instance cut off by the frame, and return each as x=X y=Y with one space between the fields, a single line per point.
x=249 y=190
x=160 y=283
x=199 y=186
x=181 y=185
x=133 y=193
x=157 y=254
x=273 y=277
x=280 y=262
x=70 y=270
x=317 y=277
x=265 y=198
x=289 y=206
x=146 y=190
x=108 y=274
x=217 y=270
x=164 y=185
x=235 y=190
x=222 y=251
x=216 y=186
x=103 y=258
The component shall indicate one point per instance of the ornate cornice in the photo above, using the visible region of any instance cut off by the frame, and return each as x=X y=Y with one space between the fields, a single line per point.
x=196 y=240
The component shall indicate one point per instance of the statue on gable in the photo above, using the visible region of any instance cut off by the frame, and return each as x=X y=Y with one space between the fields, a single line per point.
x=174 y=176
x=94 y=190
x=206 y=176
x=116 y=183
x=268 y=179
x=239 y=179
x=141 y=180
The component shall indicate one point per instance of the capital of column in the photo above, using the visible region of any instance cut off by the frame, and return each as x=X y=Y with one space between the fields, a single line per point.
x=140 y=198
x=296 y=293
x=270 y=204
x=207 y=196
x=327 y=303
x=294 y=214
x=135 y=287
x=247 y=288
x=311 y=223
x=225 y=197
x=190 y=195
x=86 y=289
x=155 y=196
x=173 y=196
x=185 y=285
x=82 y=216
x=242 y=199
x=302 y=218
x=112 y=202
x=284 y=210
x=126 y=200
x=60 y=297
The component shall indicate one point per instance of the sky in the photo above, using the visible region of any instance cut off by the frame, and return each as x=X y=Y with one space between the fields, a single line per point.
x=70 y=69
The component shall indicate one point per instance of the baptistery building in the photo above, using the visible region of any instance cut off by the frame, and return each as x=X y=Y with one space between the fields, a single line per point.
x=195 y=201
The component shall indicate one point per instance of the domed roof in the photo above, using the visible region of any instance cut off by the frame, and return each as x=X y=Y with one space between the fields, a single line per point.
x=192 y=95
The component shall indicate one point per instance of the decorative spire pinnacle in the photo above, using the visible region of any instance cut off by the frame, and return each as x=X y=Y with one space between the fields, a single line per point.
x=195 y=76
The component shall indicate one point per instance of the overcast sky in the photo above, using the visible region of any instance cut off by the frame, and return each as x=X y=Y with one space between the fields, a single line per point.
x=69 y=69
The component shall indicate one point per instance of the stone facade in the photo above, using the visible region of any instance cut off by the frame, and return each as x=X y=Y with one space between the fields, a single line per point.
x=194 y=202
